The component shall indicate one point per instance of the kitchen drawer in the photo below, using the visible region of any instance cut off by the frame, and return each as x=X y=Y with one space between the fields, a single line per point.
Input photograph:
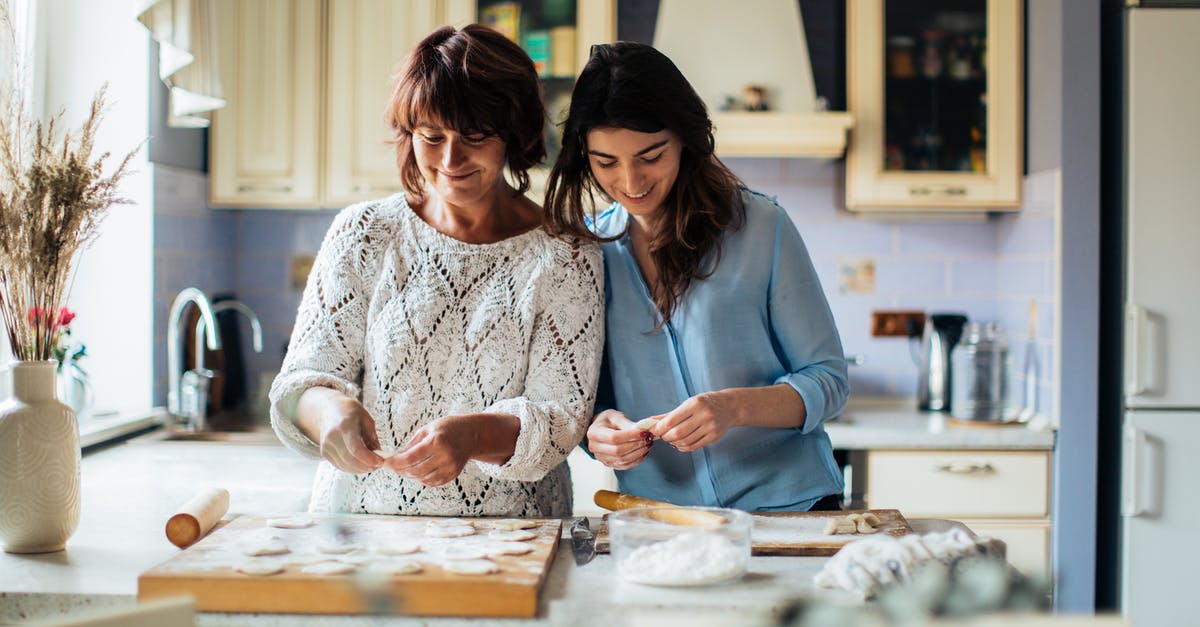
x=960 y=484
x=1028 y=543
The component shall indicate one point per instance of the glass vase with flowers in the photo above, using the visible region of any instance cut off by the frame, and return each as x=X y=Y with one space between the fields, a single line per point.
x=53 y=195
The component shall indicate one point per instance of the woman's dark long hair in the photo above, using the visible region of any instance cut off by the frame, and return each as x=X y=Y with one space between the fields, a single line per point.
x=633 y=86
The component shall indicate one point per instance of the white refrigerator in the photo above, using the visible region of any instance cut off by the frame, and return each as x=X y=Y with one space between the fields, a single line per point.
x=1160 y=500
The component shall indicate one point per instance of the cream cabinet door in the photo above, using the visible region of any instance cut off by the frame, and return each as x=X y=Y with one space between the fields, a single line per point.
x=265 y=144
x=368 y=40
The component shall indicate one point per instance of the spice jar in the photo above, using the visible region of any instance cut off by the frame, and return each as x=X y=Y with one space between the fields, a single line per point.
x=900 y=57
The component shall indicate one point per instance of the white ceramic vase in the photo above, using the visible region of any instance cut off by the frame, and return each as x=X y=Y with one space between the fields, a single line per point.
x=39 y=463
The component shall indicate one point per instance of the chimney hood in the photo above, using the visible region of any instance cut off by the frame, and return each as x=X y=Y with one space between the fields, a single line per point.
x=722 y=47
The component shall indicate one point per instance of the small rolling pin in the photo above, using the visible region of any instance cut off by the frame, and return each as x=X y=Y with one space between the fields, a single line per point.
x=679 y=516
x=197 y=516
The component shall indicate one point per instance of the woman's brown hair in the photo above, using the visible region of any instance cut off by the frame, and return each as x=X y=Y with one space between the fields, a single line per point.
x=472 y=80
x=633 y=86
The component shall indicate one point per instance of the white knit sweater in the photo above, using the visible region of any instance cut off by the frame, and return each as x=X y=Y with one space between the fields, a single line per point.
x=418 y=325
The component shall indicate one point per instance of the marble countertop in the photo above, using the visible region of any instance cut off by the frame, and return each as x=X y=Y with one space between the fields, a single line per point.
x=897 y=424
x=130 y=489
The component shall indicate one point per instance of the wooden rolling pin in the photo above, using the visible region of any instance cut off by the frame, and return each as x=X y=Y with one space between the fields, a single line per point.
x=679 y=515
x=197 y=516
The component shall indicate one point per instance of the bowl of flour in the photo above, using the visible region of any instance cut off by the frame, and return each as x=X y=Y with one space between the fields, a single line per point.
x=676 y=546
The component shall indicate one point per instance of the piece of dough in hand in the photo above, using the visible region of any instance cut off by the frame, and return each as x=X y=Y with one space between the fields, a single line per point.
x=646 y=424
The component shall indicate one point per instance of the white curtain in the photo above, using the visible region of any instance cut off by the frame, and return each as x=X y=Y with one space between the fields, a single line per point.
x=186 y=33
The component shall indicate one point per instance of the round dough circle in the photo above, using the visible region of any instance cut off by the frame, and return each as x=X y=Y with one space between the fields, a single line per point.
x=398 y=567
x=358 y=557
x=513 y=525
x=270 y=546
x=293 y=522
x=450 y=531
x=497 y=549
x=464 y=552
x=471 y=567
x=518 y=535
x=449 y=522
x=259 y=569
x=397 y=548
x=329 y=568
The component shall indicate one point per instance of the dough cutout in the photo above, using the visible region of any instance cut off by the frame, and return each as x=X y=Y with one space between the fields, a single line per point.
x=518 y=535
x=258 y=569
x=464 y=552
x=338 y=549
x=496 y=549
x=329 y=568
x=515 y=524
x=852 y=524
x=449 y=531
x=398 y=567
x=398 y=548
x=471 y=567
x=270 y=546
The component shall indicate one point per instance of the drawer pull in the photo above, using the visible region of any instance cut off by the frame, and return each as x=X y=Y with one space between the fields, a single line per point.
x=965 y=468
x=951 y=191
x=264 y=188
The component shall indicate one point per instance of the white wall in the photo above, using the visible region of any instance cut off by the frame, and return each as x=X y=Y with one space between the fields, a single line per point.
x=82 y=45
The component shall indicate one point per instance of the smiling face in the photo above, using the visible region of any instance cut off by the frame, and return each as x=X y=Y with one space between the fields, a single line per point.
x=461 y=168
x=636 y=169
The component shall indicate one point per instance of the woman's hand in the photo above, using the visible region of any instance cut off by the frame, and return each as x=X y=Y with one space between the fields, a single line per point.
x=342 y=428
x=698 y=421
x=616 y=442
x=437 y=452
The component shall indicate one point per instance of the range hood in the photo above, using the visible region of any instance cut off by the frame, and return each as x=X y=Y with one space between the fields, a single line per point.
x=722 y=47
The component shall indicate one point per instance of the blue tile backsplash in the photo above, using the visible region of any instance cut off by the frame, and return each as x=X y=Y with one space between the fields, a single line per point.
x=988 y=267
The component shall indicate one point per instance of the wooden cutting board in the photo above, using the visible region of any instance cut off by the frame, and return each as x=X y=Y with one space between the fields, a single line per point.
x=798 y=533
x=206 y=570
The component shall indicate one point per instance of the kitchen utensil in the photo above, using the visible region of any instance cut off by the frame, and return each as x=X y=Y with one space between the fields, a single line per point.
x=980 y=368
x=196 y=517
x=670 y=513
x=938 y=337
x=583 y=541
x=649 y=550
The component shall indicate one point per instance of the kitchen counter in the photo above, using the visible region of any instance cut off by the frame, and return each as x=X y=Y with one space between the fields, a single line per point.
x=897 y=424
x=130 y=489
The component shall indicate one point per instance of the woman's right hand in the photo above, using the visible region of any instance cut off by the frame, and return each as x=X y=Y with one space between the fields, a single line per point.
x=342 y=428
x=616 y=442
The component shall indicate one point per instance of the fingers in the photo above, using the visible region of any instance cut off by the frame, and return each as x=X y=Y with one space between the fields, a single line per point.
x=428 y=460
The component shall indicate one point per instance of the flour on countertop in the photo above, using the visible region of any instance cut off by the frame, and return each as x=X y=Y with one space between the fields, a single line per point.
x=688 y=559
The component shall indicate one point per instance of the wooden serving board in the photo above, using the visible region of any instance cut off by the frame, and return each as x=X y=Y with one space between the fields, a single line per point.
x=206 y=570
x=798 y=533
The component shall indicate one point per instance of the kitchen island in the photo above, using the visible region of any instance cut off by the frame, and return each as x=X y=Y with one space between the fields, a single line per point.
x=130 y=489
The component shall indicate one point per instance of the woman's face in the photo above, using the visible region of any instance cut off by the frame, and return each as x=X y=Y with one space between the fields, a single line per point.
x=460 y=168
x=636 y=169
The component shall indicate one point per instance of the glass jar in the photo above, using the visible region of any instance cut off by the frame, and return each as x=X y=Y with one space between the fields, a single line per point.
x=979 y=374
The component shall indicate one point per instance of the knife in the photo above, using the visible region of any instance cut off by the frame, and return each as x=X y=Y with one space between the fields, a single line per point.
x=583 y=541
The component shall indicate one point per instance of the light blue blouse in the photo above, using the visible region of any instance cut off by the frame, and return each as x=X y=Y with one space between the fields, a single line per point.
x=760 y=319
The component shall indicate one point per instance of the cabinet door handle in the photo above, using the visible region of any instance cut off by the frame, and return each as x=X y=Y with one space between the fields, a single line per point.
x=1135 y=323
x=265 y=188
x=965 y=468
x=1134 y=441
x=937 y=190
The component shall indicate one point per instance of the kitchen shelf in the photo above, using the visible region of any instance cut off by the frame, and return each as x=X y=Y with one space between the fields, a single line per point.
x=781 y=134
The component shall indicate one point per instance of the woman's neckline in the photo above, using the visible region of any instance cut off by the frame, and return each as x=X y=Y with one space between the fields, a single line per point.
x=450 y=239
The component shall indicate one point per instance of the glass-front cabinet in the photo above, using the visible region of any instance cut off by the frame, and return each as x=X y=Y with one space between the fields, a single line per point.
x=936 y=91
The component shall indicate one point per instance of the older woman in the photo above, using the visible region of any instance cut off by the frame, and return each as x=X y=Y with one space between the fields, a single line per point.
x=446 y=350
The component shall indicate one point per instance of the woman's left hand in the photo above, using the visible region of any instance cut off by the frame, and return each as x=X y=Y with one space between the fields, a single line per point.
x=436 y=454
x=698 y=421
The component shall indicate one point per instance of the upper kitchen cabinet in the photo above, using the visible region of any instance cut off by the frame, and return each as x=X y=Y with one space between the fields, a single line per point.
x=264 y=146
x=307 y=82
x=936 y=93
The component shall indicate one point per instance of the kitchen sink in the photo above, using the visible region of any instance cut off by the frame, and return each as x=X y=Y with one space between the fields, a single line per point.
x=257 y=437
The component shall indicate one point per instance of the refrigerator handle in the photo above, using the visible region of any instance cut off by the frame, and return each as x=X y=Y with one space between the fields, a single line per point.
x=1135 y=322
x=1134 y=442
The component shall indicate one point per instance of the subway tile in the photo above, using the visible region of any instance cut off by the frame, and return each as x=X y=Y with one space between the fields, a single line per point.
x=806 y=204
x=869 y=382
x=812 y=173
x=973 y=277
x=847 y=238
x=260 y=231
x=264 y=271
x=754 y=170
x=911 y=276
x=946 y=238
x=1021 y=278
x=1039 y=191
x=1026 y=235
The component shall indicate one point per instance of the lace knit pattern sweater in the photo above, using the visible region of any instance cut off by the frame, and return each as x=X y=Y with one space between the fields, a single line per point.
x=417 y=326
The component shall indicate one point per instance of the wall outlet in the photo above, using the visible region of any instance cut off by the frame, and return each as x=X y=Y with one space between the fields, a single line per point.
x=896 y=323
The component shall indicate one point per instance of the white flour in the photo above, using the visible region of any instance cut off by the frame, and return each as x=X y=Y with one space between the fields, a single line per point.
x=688 y=559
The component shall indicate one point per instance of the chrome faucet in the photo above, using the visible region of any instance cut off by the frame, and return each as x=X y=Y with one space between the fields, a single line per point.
x=235 y=305
x=174 y=358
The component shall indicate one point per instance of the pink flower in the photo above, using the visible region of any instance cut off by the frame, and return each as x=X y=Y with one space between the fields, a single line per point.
x=36 y=314
x=65 y=316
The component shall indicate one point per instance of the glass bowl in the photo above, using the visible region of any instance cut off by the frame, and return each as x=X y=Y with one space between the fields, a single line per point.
x=680 y=546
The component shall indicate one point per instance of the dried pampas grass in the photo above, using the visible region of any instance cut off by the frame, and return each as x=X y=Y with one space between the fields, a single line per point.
x=53 y=196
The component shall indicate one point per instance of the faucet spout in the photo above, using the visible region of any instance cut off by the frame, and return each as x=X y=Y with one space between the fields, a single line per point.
x=174 y=358
x=224 y=305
